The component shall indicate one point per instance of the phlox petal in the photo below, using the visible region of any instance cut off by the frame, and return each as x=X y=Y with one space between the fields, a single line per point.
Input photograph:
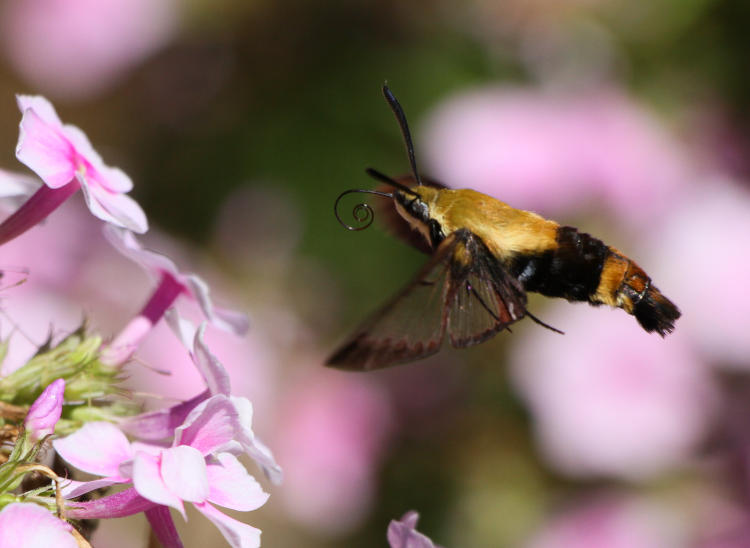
x=114 y=179
x=72 y=489
x=126 y=243
x=228 y=320
x=45 y=150
x=148 y=481
x=403 y=533
x=209 y=366
x=237 y=534
x=41 y=106
x=97 y=448
x=118 y=209
x=110 y=178
x=209 y=426
x=80 y=142
x=31 y=526
x=183 y=470
x=181 y=327
x=160 y=424
x=250 y=443
x=232 y=487
x=148 y=448
x=263 y=457
x=244 y=408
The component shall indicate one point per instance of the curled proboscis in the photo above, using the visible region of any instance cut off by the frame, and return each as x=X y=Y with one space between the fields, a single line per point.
x=362 y=212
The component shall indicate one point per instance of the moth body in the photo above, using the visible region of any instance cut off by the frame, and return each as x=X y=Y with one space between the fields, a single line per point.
x=546 y=257
x=484 y=257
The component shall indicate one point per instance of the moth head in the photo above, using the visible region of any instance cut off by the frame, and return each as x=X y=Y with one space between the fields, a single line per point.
x=415 y=206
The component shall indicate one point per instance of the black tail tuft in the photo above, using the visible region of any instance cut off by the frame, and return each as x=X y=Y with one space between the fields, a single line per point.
x=656 y=313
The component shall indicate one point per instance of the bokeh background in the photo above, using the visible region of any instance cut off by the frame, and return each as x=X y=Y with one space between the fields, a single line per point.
x=240 y=121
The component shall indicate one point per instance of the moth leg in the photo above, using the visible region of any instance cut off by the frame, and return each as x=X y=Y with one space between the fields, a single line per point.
x=540 y=322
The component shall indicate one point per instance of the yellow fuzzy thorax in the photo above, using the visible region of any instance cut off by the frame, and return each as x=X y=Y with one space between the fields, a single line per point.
x=505 y=230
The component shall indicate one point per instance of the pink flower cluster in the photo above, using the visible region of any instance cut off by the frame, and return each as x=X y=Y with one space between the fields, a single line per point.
x=185 y=453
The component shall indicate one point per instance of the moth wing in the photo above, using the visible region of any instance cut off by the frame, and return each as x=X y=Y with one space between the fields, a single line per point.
x=411 y=326
x=483 y=298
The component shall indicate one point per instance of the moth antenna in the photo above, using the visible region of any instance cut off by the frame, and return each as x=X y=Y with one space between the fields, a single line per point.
x=362 y=212
x=401 y=117
x=375 y=174
x=540 y=322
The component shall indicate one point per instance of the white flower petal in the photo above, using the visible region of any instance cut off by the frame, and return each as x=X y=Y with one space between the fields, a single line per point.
x=118 y=209
x=27 y=525
x=183 y=470
x=125 y=242
x=209 y=366
x=232 y=321
x=148 y=482
x=41 y=106
x=97 y=448
x=237 y=534
x=232 y=487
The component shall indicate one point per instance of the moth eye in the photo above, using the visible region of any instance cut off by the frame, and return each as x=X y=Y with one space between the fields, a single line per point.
x=419 y=209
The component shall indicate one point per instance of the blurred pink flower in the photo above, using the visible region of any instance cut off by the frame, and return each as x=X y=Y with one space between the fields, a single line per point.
x=702 y=254
x=607 y=398
x=56 y=255
x=403 y=533
x=613 y=523
x=553 y=153
x=16 y=188
x=334 y=430
x=29 y=525
x=44 y=413
x=77 y=48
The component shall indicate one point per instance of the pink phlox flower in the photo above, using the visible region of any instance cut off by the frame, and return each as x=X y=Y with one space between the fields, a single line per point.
x=44 y=413
x=194 y=469
x=163 y=423
x=174 y=282
x=403 y=533
x=28 y=525
x=61 y=155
